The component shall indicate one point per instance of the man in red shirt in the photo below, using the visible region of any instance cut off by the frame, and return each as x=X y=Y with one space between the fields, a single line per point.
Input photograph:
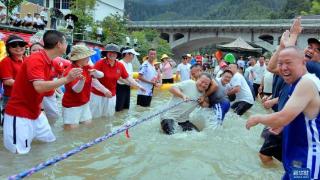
x=23 y=120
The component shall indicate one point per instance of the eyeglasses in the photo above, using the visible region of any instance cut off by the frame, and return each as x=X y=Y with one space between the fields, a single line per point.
x=185 y=58
x=16 y=44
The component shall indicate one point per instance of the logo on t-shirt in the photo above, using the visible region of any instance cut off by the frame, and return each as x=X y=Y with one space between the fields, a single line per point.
x=118 y=71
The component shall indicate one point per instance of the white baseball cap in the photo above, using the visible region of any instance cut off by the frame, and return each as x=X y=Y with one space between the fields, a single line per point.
x=132 y=51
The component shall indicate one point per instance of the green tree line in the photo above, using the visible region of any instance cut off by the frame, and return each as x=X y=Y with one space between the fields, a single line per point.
x=220 y=9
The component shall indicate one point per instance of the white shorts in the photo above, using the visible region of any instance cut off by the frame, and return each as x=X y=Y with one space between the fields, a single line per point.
x=50 y=106
x=102 y=106
x=19 y=132
x=74 y=115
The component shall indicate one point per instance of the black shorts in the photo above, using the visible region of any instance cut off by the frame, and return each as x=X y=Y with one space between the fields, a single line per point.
x=144 y=101
x=272 y=146
x=123 y=97
x=167 y=126
x=167 y=81
x=241 y=107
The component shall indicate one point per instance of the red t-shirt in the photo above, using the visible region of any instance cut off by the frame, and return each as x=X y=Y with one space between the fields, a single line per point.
x=70 y=97
x=25 y=101
x=59 y=66
x=111 y=75
x=9 y=69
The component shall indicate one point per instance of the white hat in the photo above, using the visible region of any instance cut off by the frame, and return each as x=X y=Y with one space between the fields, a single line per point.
x=132 y=51
x=80 y=52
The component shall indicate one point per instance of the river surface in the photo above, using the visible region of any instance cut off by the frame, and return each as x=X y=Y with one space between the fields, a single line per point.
x=229 y=152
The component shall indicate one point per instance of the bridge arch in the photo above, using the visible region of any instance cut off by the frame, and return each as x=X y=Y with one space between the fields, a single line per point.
x=177 y=36
x=196 y=44
x=165 y=36
x=268 y=38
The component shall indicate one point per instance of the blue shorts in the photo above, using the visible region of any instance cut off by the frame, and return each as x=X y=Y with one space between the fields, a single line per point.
x=221 y=110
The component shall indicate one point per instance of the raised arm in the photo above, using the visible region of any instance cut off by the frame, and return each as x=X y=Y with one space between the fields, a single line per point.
x=297 y=103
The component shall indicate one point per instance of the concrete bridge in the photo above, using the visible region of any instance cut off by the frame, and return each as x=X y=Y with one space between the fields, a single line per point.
x=188 y=36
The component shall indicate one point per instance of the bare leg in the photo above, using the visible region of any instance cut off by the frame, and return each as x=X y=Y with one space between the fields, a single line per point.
x=266 y=160
x=88 y=122
x=70 y=126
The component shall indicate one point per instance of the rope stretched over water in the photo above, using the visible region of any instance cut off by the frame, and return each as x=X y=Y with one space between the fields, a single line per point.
x=78 y=149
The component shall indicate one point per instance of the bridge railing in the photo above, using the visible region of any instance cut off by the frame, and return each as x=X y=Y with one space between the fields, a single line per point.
x=219 y=23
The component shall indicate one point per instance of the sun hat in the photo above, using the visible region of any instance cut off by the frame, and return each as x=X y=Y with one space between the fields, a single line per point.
x=14 y=38
x=80 y=52
x=132 y=51
x=164 y=56
x=111 y=48
x=156 y=62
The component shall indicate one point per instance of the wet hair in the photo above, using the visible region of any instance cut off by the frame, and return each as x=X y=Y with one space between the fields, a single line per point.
x=37 y=43
x=195 y=66
x=226 y=71
x=151 y=49
x=206 y=75
x=51 y=38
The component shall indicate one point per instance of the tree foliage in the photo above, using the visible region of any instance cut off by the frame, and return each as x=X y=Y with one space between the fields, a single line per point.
x=216 y=9
x=151 y=39
x=83 y=10
x=114 y=29
x=315 y=8
x=11 y=4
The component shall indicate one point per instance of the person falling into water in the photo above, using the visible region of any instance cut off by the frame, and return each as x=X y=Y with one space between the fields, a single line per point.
x=183 y=91
x=215 y=97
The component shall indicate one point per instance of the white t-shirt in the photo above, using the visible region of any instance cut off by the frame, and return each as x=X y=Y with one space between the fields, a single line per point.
x=267 y=82
x=184 y=70
x=28 y=19
x=38 y=21
x=241 y=63
x=181 y=113
x=129 y=69
x=245 y=93
x=258 y=73
x=99 y=30
x=224 y=88
x=44 y=14
x=248 y=73
x=149 y=73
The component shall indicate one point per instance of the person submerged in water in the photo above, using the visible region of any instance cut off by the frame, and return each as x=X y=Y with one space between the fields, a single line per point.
x=183 y=91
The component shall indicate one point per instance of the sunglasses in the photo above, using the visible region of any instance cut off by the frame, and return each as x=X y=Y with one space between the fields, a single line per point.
x=16 y=44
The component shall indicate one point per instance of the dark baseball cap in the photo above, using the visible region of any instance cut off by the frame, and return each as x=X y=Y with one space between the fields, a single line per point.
x=313 y=40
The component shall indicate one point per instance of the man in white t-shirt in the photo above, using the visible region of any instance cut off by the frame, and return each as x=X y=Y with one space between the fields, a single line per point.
x=148 y=78
x=239 y=86
x=44 y=13
x=183 y=69
x=27 y=20
x=182 y=91
x=258 y=70
x=3 y=14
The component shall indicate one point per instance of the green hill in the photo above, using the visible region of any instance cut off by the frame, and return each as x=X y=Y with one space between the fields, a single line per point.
x=142 y=10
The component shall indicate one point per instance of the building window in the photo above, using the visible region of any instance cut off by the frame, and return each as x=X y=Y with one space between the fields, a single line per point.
x=62 y=4
x=56 y=4
x=47 y=3
x=65 y=4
